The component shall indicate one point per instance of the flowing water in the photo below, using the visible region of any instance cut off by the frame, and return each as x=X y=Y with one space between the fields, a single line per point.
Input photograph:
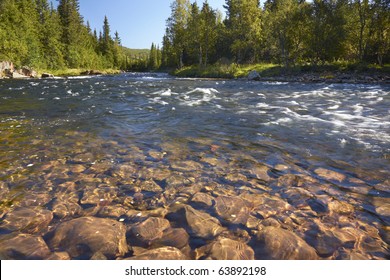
x=309 y=161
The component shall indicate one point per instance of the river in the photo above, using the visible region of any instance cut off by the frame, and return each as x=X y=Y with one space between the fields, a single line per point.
x=203 y=166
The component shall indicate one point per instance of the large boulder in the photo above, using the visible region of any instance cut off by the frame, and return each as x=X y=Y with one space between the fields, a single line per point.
x=253 y=75
x=16 y=75
x=28 y=72
x=85 y=237
x=6 y=67
x=47 y=75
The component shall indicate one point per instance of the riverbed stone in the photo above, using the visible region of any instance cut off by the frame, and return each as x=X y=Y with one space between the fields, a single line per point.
x=202 y=200
x=84 y=237
x=260 y=172
x=266 y=205
x=3 y=189
x=111 y=211
x=232 y=209
x=65 y=204
x=146 y=232
x=341 y=207
x=186 y=166
x=23 y=247
x=330 y=174
x=101 y=195
x=163 y=253
x=173 y=237
x=150 y=186
x=225 y=249
x=200 y=224
x=324 y=241
x=59 y=256
x=280 y=244
x=35 y=199
x=27 y=220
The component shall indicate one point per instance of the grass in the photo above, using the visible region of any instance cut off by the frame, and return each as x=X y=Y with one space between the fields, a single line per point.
x=74 y=72
x=274 y=70
x=222 y=70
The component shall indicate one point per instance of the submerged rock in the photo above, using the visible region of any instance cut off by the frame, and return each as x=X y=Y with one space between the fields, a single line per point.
x=59 y=256
x=232 y=209
x=23 y=247
x=200 y=224
x=163 y=253
x=261 y=173
x=203 y=200
x=341 y=207
x=102 y=195
x=84 y=237
x=173 y=237
x=330 y=174
x=325 y=242
x=66 y=205
x=27 y=220
x=225 y=249
x=280 y=244
x=266 y=205
x=146 y=232
x=186 y=166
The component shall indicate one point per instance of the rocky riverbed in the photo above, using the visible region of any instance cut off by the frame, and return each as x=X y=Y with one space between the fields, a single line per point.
x=161 y=204
x=71 y=192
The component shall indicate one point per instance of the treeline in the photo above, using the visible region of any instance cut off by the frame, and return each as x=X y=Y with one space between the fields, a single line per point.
x=287 y=32
x=144 y=60
x=34 y=33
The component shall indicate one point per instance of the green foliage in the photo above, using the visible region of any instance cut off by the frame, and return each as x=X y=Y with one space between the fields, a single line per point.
x=33 y=33
x=292 y=33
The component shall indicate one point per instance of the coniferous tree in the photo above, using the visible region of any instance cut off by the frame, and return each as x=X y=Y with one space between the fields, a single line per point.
x=12 y=46
x=210 y=28
x=50 y=35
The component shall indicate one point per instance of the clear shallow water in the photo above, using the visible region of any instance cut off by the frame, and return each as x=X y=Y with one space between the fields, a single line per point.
x=321 y=150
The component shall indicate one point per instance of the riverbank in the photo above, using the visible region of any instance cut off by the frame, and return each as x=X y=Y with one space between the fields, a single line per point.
x=335 y=73
x=80 y=72
x=8 y=70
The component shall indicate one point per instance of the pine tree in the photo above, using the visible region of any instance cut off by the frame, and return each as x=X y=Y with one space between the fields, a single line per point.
x=50 y=35
x=210 y=27
x=107 y=44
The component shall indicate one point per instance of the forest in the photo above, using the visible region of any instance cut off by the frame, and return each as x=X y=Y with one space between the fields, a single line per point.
x=34 y=33
x=283 y=32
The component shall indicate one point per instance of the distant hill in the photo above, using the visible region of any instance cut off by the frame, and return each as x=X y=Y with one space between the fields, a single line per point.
x=136 y=53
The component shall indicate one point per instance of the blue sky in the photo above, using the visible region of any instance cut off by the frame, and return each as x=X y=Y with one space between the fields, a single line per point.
x=139 y=22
